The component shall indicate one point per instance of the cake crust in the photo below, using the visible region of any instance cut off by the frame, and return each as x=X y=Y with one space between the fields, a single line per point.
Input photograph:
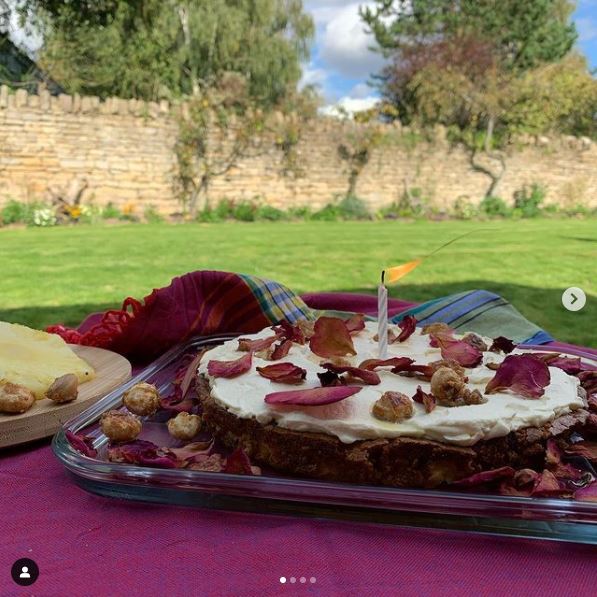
x=399 y=462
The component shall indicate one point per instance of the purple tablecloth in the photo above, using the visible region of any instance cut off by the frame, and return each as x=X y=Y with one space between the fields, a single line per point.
x=86 y=545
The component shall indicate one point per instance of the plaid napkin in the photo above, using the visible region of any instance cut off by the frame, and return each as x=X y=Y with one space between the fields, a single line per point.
x=212 y=302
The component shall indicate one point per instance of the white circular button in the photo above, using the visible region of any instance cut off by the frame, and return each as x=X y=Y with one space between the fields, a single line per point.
x=574 y=299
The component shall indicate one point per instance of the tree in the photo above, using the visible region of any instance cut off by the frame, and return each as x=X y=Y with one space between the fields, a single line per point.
x=462 y=63
x=522 y=34
x=170 y=48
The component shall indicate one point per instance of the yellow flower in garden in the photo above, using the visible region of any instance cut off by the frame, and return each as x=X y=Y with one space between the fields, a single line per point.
x=74 y=212
x=128 y=209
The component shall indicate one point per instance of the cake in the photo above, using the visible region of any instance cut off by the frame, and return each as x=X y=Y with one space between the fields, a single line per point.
x=429 y=439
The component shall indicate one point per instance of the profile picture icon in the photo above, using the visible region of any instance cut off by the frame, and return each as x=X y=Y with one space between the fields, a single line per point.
x=24 y=572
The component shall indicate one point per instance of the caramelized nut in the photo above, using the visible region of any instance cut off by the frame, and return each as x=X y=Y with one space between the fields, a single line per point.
x=184 y=426
x=119 y=426
x=15 y=398
x=394 y=407
x=449 y=389
x=142 y=399
x=64 y=389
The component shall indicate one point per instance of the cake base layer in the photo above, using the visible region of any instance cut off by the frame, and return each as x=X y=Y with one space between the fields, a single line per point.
x=400 y=462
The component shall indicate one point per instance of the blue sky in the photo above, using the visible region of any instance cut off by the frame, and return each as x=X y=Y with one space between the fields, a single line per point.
x=341 y=61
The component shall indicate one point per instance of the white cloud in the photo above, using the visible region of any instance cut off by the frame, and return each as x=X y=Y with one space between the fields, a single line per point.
x=313 y=76
x=348 y=106
x=345 y=44
x=360 y=91
x=587 y=29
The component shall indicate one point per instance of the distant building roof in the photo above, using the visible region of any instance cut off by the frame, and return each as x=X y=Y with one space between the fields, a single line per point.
x=17 y=69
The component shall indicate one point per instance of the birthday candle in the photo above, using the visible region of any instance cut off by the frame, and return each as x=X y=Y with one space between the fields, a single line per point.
x=382 y=320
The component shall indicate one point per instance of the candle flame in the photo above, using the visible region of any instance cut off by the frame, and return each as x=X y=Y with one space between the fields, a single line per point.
x=393 y=274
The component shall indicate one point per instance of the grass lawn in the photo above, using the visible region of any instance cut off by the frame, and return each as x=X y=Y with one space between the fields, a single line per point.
x=61 y=274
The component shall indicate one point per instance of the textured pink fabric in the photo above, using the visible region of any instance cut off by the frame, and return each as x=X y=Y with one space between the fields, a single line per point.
x=86 y=545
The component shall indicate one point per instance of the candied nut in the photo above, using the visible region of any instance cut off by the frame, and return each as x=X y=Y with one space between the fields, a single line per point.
x=15 y=398
x=437 y=327
x=142 y=399
x=451 y=364
x=450 y=389
x=184 y=426
x=475 y=341
x=64 y=389
x=119 y=426
x=394 y=407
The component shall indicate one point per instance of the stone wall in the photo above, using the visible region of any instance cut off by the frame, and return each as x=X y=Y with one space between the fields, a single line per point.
x=123 y=149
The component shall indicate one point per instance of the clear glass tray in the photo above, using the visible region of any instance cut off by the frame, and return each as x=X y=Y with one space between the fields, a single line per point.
x=556 y=519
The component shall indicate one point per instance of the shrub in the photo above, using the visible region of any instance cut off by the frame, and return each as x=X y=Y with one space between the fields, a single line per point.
x=43 y=216
x=111 y=212
x=272 y=214
x=224 y=210
x=245 y=211
x=151 y=215
x=208 y=215
x=464 y=209
x=328 y=213
x=495 y=206
x=353 y=208
x=14 y=212
x=528 y=201
x=302 y=212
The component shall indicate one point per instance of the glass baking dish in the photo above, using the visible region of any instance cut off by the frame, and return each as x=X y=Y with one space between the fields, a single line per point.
x=553 y=518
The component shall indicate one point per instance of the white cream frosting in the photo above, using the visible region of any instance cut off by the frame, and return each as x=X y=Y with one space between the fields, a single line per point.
x=351 y=419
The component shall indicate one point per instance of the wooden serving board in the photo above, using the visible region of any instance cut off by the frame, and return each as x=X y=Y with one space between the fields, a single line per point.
x=44 y=418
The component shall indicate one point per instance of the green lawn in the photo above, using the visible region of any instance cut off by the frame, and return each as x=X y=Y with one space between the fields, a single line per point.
x=60 y=274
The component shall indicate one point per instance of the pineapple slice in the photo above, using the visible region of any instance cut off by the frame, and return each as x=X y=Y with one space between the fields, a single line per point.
x=35 y=359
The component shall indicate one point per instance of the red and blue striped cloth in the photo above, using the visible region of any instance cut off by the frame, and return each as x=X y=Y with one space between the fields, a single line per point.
x=213 y=302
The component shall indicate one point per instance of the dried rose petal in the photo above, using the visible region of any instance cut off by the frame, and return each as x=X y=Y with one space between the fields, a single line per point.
x=355 y=323
x=287 y=331
x=395 y=362
x=475 y=341
x=572 y=366
x=190 y=374
x=281 y=350
x=327 y=379
x=192 y=452
x=246 y=345
x=548 y=486
x=585 y=449
x=457 y=350
x=408 y=325
x=553 y=462
x=369 y=377
x=283 y=373
x=214 y=463
x=81 y=443
x=175 y=403
x=313 y=397
x=522 y=374
x=230 y=368
x=502 y=344
x=504 y=472
x=588 y=380
x=143 y=453
x=587 y=494
x=427 y=400
x=331 y=338
x=238 y=463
